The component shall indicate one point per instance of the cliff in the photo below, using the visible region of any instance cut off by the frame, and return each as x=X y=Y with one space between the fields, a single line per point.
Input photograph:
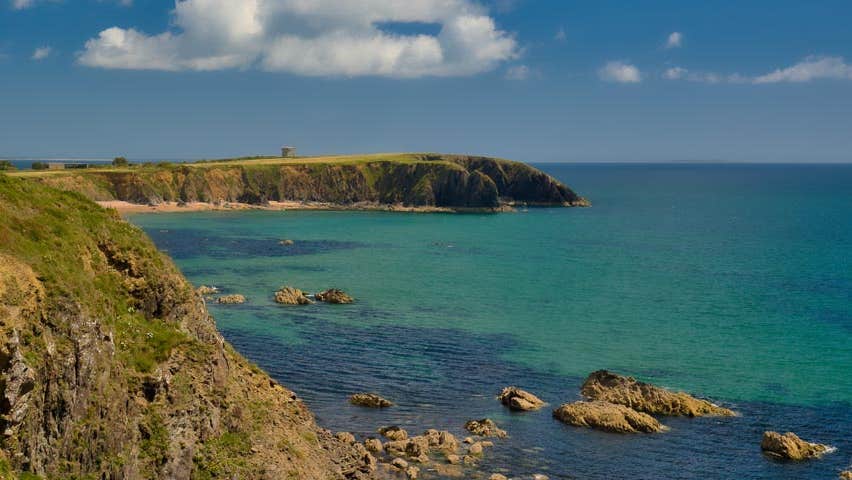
x=111 y=367
x=420 y=180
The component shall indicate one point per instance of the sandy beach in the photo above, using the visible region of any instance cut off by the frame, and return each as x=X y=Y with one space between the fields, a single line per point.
x=172 y=207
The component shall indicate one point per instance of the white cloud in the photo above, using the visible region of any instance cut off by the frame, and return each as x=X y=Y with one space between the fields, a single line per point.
x=41 y=53
x=680 y=73
x=22 y=4
x=620 y=72
x=811 y=68
x=518 y=72
x=561 y=36
x=675 y=40
x=312 y=37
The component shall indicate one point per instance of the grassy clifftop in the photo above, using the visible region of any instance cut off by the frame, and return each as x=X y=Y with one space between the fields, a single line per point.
x=111 y=367
x=429 y=180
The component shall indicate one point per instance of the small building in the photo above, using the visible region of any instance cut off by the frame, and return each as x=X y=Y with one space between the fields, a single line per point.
x=288 y=152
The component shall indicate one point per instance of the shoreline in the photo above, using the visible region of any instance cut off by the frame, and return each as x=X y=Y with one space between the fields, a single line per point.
x=124 y=207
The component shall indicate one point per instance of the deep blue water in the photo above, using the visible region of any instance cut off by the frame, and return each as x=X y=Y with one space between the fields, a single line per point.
x=732 y=282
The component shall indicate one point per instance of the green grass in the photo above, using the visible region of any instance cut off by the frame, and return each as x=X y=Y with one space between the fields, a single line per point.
x=61 y=235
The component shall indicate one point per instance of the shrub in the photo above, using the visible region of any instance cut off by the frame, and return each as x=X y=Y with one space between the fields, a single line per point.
x=40 y=166
x=6 y=165
x=120 y=162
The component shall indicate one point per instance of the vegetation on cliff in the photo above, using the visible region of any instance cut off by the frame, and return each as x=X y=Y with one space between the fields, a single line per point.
x=453 y=181
x=111 y=367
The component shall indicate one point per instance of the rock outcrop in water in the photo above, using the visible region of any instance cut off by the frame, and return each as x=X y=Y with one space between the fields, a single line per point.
x=334 y=295
x=644 y=397
x=234 y=299
x=420 y=180
x=485 y=428
x=520 y=400
x=607 y=416
x=291 y=296
x=370 y=400
x=789 y=446
x=113 y=368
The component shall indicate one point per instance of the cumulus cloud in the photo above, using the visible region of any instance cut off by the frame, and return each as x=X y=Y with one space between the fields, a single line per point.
x=620 y=72
x=811 y=68
x=675 y=40
x=41 y=53
x=22 y=4
x=313 y=37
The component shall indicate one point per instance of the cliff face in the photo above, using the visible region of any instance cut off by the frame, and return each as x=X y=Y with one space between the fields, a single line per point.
x=111 y=367
x=451 y=181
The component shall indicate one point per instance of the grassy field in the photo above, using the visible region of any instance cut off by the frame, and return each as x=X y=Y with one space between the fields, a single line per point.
x=403 y=158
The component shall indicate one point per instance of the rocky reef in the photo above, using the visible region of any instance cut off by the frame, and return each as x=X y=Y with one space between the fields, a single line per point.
x=111 y=367
x=644 y=397
x=424 y=180
x=519 y=400
x=789 y=446
x=607 y=416
x=370 y=400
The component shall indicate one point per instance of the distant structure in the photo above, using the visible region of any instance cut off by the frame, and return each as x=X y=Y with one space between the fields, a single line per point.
x=288 y=152
x=67 y=166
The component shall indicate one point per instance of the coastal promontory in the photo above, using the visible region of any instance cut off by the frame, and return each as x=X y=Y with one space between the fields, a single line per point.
x=405 y=181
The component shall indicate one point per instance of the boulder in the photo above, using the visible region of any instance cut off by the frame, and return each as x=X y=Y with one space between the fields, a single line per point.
x=393 y=433
x=334 y=295
x=484 y=428
x=205 y=290
x=412 y=472
x=231 y=300
x=399 y=463
x=644 y=397
x=441 y=440
x=453 y=459
x=846 y=475
x=497 y=476
x=373 y=445
x=291 y=296
x=417 y=448
x=607 y=416
x=396 y=448
x=345 y=437
x=370 y=400
x=475 y=449
x=790 y=446
x=520 y=400
x=286 y=242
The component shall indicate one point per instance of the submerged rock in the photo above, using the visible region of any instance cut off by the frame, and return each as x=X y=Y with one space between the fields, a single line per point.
x=607 y=416
x=286 y=243
x=790 y=446
x=334 y=295
x=644 y=397
x=370 y=400
x=291 y=296
x=521 y=400
x=231 y=299
x=485 y=428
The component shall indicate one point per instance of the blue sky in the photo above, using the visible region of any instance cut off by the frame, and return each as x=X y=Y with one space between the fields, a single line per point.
x=532 y=80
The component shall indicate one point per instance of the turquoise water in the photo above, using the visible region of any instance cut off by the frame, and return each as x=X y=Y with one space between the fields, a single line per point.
x=733 y=282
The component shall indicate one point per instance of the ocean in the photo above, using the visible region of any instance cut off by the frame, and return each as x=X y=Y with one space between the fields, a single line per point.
x=731 y=282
